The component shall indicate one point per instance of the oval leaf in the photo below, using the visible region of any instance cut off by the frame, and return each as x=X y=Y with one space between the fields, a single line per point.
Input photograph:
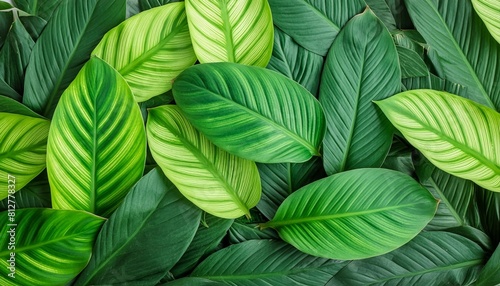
x=231 y=31
x=355 y=214
x=97 y=143
x=51 y=246
x=251 y=112
x=216 y=181
x=457 y=135
x=149 y=57
x=489 y=11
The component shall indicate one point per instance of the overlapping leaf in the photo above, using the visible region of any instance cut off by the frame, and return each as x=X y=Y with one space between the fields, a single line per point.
x=241 y=232
x=41 y=8
x=489 y=11
x=36 y=194
x=252 y=112
x=490 y=274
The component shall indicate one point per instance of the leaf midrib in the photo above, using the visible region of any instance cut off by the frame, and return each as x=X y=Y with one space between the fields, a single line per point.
x=446 y=201
x=37 y=245
x=30 y=148
x=228 y=32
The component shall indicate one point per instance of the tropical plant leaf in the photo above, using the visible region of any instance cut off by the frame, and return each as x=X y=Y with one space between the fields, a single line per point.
x=231 y=31
x=9 y=105
x=6 y=19
x=490 y=274
x=295 y=62
x=63 y=48
x=489 y=203
x=148 y=4
x=147 y=57
x=133 y=8
x=125 y=251
x=468 y=58
x=42 y=240
x=412 y=65
x=314 y=24
x=383 y=12
x=22 y=151
x=400 y=14
x=400 y=158
x=489 y=11
x=362 y=66
x=457 y=135
x=216 y=181
x=241 y=232
x=34 y=25
x=431 y=258
x=41 y=8
x=355 y=214
x=265 y=262
x=36 y=194
x=232 y=103
x=97 y=143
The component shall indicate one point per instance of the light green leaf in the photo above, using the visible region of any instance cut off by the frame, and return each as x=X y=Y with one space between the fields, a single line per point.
x=22 y=150
x=489 y=11
x=251 y=112
x=41 y=8
x=362 y=66
x=51 y=246
x=355 y=214
x=465 y=51
x=490 y=274
x=432 y=258
x=63 y=48
x=147 y=57
x=145 y=236
x=231 y=31
x=97 y=144
x=216 y=181
x=457 y=135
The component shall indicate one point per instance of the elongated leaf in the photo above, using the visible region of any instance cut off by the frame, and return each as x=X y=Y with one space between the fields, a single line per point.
x=490 y=274
x=383 y=12
x=9 y=105
x=97 y=143
x=251 y=112
x=216 y=181
x=489 y=11
x=34 y=25
x=432 y=258
x=148 y=4
x=51 y=246
x=36 y=194
x=63 y=48
x=489 y=203
x=147 y=57
x=412 y=65
x=126 y=252
x=295 y=62
x=22 y=150
x=41 y=8
x=265 y=262
x=400 y=14
x=241 y=232
x=466 y=52
x=355 y=214
x=6 y=19
x=362 y=66
x=231 y=31
x=314 y=24
x=133 y=8
x=457 y=135
x=400 y=157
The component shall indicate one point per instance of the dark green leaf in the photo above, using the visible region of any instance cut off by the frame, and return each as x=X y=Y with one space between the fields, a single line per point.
x=400 y=14
x=34 y=25
x=490 y=275
x=10 y=105
x=148 y=4
x=241 y=232
x=41 y=8
x=383 y=12
x=36 y=194
x=489 y=204
x=133 y=8
x=400 y=157
x=6 y=19
x=412 y=65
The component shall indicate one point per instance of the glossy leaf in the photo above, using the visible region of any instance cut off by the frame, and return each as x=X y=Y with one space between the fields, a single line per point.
x=22 y=150
x=144 y=237
x=97 y=143
x=489 y=11
x=42 y=240
x=490 y=274
x=231 y=31
x=63 y=48
x=41 y=8
x=241 y=232
x=232 y=103
x=147 y=57
x=216 y=181
x=457 y=135
x=36 y=194
x=362 y=66
x=354 y=214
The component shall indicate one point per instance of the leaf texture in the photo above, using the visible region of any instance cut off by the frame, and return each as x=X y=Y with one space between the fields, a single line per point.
x=489 y=11
x=41 y=8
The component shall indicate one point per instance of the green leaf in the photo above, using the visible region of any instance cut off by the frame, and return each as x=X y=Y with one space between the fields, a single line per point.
x=400 y=158
x=149 y=4
x=355 y=214
x=432 y=258
x=314 y=24
x=489 y=11
x=466 y=52
x=383 y=12
x=362 y=66
x=63 y=48
x=489 y=203
x=36 y=194
x=34 y=25
x=9 y=105
x=144 y=237
x=6 y=19
x=51 y=246
x=147 y=57
x=265 y=262
x=231 y=103
x=295 y=62
x=22 y=151
x=216 y=181
x=412 y=65
x=241 y=232
x=490 y=274
x=41 y=8
x=231 y=31
x=400 y=14
x=97 y=143
x=133 y=8
x=457 y=135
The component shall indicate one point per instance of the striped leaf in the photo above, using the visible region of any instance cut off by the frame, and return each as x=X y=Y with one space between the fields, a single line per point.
x=22 y=150
x=457 y=135
x=51 y=246
x=150 y=49
x=97 y=146
x=489 y=11
x=216 y=181
x=238 y=31
x=354 y=214
x=251 y=112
